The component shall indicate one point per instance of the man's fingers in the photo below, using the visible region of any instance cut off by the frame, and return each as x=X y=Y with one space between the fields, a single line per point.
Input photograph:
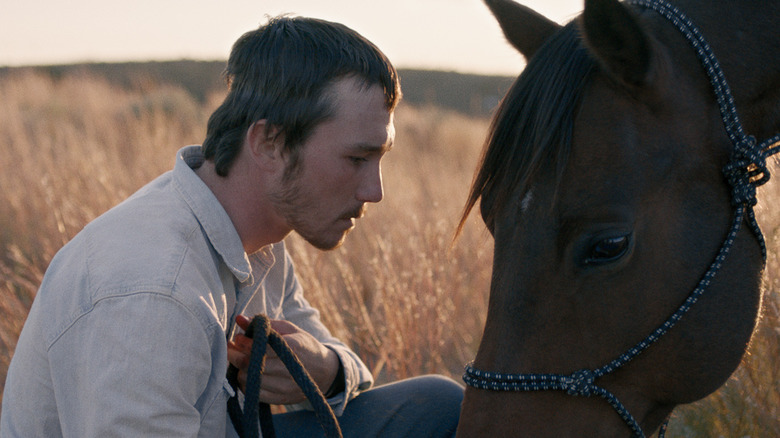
x=280 y=390
x=243 y=322
x=242 y=374
x=277 y=385
x=279 y=325
x=241 y=343
x=238 y=359
x=284 y=327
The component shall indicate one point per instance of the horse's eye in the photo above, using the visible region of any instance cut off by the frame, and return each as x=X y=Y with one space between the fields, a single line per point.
x=607 y=250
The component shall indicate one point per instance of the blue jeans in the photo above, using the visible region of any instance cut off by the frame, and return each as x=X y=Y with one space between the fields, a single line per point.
x=426 y=406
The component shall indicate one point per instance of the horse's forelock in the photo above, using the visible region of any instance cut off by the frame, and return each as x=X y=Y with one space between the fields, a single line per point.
x=533 y=127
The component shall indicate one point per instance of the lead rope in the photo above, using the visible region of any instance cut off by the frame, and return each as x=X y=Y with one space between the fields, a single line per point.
x=745 y=171
x=246 y=422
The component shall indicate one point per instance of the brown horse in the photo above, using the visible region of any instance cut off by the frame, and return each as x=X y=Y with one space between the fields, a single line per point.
x=604 y=187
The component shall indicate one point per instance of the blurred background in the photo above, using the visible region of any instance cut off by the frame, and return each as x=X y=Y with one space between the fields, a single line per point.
x=452 y=35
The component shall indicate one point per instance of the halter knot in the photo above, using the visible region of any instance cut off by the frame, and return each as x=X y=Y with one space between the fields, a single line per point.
x=746 y=171
x=579 y=383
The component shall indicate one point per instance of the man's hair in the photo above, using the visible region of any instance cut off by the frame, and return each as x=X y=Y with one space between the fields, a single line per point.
x=281 y=72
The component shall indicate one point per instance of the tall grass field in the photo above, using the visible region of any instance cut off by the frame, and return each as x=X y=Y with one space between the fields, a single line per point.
x=406 y=298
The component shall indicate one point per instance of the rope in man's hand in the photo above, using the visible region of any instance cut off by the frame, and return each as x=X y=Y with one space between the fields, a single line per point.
x=246 y=421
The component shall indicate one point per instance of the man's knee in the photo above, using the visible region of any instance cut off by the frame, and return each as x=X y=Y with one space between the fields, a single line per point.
x=435 y=395
x=425 y=406
x=437 y=387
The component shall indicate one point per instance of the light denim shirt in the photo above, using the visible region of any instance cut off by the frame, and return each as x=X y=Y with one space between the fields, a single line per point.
x=127 y=335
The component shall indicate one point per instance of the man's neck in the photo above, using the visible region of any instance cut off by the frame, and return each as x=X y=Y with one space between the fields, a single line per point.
x=242 y=196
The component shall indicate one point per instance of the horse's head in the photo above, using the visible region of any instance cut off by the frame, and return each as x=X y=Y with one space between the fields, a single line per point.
x=602 y=185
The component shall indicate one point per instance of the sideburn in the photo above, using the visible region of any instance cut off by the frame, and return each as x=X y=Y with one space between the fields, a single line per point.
x=294 y=165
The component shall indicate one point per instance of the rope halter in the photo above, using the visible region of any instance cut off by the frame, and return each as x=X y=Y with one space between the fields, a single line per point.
x=745 y=172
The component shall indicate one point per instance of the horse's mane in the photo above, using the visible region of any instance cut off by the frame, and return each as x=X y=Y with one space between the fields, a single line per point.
x=533 y=126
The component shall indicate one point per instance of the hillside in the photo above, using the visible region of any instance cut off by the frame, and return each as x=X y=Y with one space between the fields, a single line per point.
x=468 y=94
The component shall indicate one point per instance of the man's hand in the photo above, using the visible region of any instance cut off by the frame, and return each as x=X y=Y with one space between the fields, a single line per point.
x=278 y=386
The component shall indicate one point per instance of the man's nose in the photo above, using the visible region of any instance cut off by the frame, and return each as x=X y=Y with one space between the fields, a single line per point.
x=371 y=189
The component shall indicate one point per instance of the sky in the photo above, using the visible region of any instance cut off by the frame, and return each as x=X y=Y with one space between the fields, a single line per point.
x=452 y=35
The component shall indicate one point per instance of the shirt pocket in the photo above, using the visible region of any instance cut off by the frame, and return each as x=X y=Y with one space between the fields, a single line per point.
x=215 y=418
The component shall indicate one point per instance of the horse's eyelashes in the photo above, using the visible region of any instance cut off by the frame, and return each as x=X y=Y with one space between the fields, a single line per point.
x=607 y=250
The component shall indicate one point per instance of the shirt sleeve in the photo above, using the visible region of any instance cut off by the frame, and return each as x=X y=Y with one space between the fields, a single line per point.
x=297 y=310
x=136 y=365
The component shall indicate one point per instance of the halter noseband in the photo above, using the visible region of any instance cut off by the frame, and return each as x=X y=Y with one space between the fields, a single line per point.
x=745 y=171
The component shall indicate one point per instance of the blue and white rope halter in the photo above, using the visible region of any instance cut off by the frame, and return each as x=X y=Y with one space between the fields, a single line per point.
x=745 y=171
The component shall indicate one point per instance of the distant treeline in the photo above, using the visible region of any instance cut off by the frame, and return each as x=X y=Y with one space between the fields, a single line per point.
x=474 y=95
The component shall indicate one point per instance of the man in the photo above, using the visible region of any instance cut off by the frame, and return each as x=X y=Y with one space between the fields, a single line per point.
x=135 y=321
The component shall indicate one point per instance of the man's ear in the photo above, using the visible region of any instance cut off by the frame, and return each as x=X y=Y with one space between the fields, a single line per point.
x=265 y=144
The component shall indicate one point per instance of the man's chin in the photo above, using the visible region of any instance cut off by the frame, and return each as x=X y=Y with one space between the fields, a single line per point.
x=325 y=244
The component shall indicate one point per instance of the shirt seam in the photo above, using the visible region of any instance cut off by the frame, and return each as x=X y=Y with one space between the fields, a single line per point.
x=120 y=293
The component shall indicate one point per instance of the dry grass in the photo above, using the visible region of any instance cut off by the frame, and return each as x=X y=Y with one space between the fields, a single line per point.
x=397 y=291
x=71 y=150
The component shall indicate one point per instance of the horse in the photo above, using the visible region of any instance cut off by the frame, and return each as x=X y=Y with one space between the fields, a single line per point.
x=618 y=183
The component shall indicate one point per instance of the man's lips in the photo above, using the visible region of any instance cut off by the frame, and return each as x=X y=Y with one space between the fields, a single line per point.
x=354 y=214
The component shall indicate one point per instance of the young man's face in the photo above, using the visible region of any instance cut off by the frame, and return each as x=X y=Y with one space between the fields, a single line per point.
x=339 y=169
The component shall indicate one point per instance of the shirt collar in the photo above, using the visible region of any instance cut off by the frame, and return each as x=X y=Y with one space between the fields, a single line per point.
x=212 y=216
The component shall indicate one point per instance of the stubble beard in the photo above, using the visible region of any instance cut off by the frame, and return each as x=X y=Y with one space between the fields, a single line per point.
x=292 y=203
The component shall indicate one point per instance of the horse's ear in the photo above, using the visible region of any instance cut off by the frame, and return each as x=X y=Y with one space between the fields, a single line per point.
x=618 y=41
x=523 y=27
